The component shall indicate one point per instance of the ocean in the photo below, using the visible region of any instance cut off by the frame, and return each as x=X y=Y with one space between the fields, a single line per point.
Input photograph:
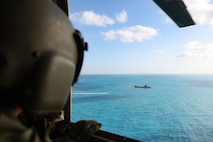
x=177 y=108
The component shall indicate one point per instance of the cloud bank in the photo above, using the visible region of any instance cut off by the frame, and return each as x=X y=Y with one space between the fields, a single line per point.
x=197 y=50
x=136 y=33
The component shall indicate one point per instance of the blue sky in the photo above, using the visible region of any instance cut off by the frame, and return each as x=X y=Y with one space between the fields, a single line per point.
x=137 y=37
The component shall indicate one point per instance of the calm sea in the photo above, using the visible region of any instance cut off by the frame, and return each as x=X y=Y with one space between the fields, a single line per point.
x=177 y=108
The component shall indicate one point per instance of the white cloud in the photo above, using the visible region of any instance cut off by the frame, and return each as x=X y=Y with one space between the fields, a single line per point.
x=201 y=11
x=91 y=18
x=196 y=49
x=122 y=17
x=136 y=33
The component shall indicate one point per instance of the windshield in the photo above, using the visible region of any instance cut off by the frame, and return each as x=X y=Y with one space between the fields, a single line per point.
x=133 y=44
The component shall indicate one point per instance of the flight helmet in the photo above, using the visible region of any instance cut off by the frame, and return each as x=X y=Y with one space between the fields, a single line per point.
x=41 y=55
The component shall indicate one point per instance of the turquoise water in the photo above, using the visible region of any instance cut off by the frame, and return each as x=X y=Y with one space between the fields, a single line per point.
x=176 y=108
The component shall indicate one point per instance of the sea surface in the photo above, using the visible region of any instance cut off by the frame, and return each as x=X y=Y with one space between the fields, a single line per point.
x=177 y=108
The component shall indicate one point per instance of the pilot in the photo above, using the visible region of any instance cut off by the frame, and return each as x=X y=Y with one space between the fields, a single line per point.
x=41 y=55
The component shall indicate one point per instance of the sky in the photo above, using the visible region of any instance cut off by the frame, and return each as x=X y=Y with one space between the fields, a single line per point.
x=137 y=37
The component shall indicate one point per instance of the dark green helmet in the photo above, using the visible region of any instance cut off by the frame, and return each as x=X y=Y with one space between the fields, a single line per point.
x=40 y=55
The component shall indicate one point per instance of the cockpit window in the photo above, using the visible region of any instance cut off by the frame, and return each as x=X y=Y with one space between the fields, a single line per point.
x=146 y=76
